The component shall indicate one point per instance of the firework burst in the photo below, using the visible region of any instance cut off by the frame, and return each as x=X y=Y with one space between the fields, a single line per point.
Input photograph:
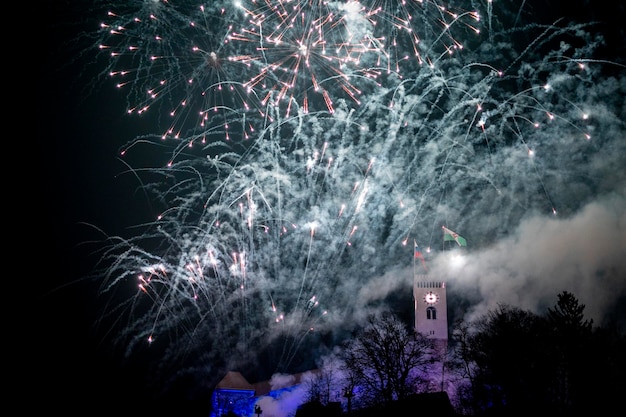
x=177 y=63
x=418 y=32
x=259 y=248
x=302 y=50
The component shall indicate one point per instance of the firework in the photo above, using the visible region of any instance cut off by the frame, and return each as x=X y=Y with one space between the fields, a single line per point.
x=418 y=32
x=304 y=49
x=177 y=64
x=259 y=248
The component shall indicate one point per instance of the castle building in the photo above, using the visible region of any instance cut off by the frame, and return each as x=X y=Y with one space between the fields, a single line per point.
x=235 y=396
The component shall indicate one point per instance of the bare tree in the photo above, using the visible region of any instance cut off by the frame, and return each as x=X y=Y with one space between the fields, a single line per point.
x=387 y=361
x=463 y=366
x=325 y=386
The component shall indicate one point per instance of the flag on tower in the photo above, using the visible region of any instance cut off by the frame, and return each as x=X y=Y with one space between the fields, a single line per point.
x=450 y=235
x=417 y=254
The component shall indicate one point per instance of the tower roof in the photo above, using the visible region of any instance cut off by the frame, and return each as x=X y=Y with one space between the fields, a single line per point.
x=236 y=381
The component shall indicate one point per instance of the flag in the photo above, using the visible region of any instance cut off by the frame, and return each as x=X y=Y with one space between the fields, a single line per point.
x=450 y=235
x=417 y=254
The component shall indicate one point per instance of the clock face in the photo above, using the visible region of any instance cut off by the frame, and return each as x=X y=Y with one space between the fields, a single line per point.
x=431 y=297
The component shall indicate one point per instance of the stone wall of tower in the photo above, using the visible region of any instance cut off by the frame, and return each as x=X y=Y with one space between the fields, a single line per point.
x=431 y=318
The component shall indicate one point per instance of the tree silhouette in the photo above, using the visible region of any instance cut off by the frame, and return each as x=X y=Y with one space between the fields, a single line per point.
x=387 y=361
x=511 y=365
x=515 y=362
x=567 y=317
x=570 y=334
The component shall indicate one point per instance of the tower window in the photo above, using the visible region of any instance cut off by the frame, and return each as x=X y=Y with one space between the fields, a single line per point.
x=431 y=313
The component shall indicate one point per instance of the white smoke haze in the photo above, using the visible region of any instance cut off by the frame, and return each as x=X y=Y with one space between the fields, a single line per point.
x=544 y=256
x=287 y=402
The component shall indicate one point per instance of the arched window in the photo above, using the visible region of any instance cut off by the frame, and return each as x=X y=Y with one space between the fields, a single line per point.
x=431 y=313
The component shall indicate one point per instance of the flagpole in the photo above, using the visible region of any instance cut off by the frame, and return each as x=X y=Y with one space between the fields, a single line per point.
x=414 y=243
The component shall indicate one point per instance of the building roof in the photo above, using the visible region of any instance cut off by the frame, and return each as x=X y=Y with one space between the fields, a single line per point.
x=235 y=381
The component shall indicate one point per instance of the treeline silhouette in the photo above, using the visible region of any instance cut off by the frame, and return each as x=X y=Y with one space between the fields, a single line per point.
x=508 y=362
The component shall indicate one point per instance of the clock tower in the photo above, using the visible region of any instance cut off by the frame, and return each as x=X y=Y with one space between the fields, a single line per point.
x=431 y=315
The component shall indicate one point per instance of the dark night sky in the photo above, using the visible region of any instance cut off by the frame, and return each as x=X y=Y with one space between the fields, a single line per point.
x=69 y=362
